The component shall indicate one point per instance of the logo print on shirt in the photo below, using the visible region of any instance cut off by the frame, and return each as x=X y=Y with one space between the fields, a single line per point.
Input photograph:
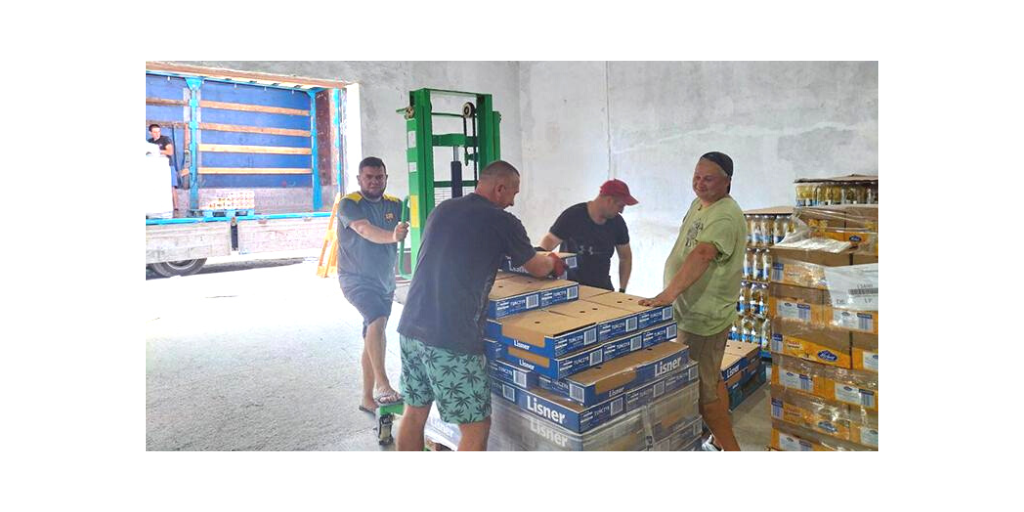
x=691 y=234
x=389 y=217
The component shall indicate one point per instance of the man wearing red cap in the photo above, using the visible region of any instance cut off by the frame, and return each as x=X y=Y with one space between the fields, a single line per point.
x=593 y=230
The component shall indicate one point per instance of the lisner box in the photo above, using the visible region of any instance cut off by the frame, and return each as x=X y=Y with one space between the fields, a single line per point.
x=516 y=294
x=579 y=419
x=646 y=316
x=511 y=374
x=620 y=375
x=547 y=333
x=561 y=367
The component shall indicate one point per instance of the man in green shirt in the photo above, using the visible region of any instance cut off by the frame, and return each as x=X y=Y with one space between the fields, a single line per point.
x=702 y=282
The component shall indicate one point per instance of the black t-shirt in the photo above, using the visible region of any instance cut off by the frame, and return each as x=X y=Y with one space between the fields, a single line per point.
x=361 y=261
x=464 y=243
x=593 y=244
x=163 y=141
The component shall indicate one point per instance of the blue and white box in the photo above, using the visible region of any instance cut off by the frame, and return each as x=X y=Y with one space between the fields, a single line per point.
x=579 y=419
x=567 y=257
x=620 y=375
x=517 y=294
x=561 y=367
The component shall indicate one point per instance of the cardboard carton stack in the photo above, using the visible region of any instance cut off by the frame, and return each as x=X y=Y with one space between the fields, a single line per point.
x=742 y=370
x=579 y=368
x=824 y=345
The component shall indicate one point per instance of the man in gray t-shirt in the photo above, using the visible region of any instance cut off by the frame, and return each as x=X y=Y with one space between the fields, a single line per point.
x=369 y=229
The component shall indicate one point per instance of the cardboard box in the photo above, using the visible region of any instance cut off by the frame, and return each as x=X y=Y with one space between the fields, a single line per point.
x=796 y=303
x=590 y=291
x=645 y=315
x=546 y=333
x=856 y=237
x=511 y=374
x=811 y=412
x=576 y=418
x=561 y=367
x=810 y=342
x=788 y=437
x=864 y=428
x=622 y=374
x=523 y=431
x=860 y=258
x=799 y=375
x=865 y=351
x=787 y=442
x=517 y=294
x=801 y=267
x=862 y=321
x=612 y=321
x=732 y=368
x=854 y=387
x=493 y=350
x=687 y=438
x=750 y=351
x=567 y=257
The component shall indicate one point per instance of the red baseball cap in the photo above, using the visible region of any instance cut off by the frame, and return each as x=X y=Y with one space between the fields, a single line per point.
x=618 y=189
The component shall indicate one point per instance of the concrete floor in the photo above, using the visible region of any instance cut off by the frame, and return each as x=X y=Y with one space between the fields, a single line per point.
x=264 y=355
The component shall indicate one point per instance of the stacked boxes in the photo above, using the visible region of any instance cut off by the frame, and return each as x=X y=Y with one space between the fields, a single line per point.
x=231 y=200
x=742 y=370
x=765 y=228
x=824 y=346
x=568 y=373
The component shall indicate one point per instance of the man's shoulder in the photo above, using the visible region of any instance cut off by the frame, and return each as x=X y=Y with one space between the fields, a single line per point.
x=392 y=199
x=355 y=197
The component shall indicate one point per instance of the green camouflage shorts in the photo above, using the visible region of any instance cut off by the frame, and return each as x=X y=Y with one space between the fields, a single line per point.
x=458 y=382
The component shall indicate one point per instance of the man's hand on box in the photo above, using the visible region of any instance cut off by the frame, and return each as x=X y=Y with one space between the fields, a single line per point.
x=663 y=299
x=558 y=265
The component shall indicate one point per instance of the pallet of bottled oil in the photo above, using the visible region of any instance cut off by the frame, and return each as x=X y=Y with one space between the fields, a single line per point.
x=765 y=228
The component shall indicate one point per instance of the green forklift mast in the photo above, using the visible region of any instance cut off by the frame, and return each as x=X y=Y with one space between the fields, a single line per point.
x=477 y=146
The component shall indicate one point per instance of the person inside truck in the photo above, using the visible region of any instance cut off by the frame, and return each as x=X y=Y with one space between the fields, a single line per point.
x=166 y=149
x=593 y=230
x=702 y=279
x=369 y=229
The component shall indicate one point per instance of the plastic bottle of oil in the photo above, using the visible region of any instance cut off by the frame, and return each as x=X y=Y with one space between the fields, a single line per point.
x=765 y=334
x=748 y=264
x=779 y=231
x=757 y=299
x=766 y=266
x=748 y=329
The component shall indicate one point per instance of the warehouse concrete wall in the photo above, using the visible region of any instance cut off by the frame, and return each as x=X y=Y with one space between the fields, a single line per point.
x=647 y=123
x=384 y=88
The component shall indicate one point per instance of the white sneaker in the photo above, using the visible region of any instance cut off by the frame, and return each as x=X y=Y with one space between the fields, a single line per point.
x=709 y=446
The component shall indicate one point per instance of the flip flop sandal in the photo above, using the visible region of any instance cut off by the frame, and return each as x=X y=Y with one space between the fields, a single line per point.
x=368 y=411
x=387 y=398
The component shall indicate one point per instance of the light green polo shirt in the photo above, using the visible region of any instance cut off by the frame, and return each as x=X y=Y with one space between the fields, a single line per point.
x=709 y=305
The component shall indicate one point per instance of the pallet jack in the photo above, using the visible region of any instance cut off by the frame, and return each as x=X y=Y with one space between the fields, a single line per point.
x=479 y=145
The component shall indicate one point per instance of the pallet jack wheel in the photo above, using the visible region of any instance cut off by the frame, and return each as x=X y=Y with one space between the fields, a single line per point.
x=384 y=423
x=468 y=110
x=409 y=112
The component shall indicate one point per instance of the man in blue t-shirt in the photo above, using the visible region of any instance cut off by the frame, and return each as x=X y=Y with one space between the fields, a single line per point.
x=369 y=229
x=442 y=326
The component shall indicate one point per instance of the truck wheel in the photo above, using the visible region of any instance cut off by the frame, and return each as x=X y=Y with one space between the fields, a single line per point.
x=178 y=268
